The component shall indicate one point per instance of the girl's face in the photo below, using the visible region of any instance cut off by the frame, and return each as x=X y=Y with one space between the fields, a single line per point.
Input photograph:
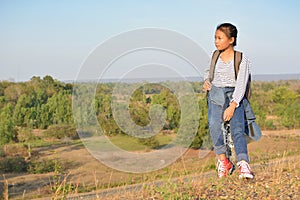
x=222 y=42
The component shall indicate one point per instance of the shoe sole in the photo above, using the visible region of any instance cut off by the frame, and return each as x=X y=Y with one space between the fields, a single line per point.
x=246 y=176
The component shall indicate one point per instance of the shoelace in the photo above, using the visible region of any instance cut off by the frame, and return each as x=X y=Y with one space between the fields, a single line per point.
x=244 y=167
x=221 y=167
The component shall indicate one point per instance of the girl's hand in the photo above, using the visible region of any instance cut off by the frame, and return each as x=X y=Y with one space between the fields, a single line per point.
x=228 y=113
x=206 y=85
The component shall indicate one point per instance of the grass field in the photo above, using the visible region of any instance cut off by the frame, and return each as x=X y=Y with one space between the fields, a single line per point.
x=275 y=160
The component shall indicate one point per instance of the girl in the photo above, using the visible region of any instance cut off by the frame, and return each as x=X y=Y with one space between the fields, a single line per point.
x=225 y=95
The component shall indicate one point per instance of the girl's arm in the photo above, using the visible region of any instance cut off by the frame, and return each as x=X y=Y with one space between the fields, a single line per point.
x=240 y=88
x=241 y=81
x=207 y=83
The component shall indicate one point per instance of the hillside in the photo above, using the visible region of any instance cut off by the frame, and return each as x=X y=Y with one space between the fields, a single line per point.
x=275 y=161
x=41 y=154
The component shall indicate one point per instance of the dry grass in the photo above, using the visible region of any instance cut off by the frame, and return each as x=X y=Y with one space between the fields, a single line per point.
x=188 y=178
x=279 y=180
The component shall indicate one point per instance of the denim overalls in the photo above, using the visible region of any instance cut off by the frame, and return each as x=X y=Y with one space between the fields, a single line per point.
x=218 y=100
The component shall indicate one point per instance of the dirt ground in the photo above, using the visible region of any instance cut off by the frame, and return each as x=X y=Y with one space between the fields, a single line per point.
x=87 y=173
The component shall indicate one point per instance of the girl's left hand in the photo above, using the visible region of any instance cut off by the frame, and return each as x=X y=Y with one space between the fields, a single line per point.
x=228 y=113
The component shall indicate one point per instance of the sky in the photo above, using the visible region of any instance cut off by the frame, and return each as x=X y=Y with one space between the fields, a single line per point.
x=55 y=37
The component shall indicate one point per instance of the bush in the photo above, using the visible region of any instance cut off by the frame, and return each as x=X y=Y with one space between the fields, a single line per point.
x=25 y=134
x=269 y=124
x=13 y=164
x=151 y=142
x=62 y=131
x=14 y=150
x=18 y=164
x=45 y=166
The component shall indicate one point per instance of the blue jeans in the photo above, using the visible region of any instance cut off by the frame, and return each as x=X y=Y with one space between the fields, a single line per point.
x=218 y=101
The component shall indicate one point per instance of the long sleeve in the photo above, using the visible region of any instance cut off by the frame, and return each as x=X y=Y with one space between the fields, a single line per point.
x=206 y=70
x=242 y=79
x=206 y=73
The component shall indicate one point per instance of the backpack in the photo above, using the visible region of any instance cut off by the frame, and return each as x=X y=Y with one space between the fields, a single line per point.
x=237 y=61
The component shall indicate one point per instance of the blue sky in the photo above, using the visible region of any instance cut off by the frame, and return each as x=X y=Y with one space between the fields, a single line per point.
x=54 y=37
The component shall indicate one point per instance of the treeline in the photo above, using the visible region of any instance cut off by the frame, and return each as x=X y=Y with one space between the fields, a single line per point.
x=37 y=103
x=277 y=104
x=42 y=103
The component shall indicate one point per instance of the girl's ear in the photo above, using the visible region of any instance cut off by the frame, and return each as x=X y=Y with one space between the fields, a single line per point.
x=231 y=40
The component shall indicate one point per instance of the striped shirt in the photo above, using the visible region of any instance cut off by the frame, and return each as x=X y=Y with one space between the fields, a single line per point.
x=225 y=77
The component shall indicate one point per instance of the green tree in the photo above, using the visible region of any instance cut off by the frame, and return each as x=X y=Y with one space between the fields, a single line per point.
x=21 y=111
x=104 y=114
x=291 y=115
x=13 y=92
x=59 y=107
x=138 y=108
x=169 y=102
x=202 y=131
x=8 y=133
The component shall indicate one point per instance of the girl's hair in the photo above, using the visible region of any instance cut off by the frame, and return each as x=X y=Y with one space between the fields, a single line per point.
x=229 y=30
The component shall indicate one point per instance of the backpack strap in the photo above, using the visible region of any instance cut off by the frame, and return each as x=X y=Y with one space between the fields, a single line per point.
x=237 y=61
x=213 y=63
x=248 y=88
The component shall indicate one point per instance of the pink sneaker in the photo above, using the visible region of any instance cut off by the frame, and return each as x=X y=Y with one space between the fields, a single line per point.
x=224 y=168
x=245 y=171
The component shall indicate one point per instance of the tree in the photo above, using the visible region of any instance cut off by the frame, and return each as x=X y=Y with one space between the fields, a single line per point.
x=22 y=110
x=13 y=92
x=8 y=133
x=59 y=105
x=169 y=102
